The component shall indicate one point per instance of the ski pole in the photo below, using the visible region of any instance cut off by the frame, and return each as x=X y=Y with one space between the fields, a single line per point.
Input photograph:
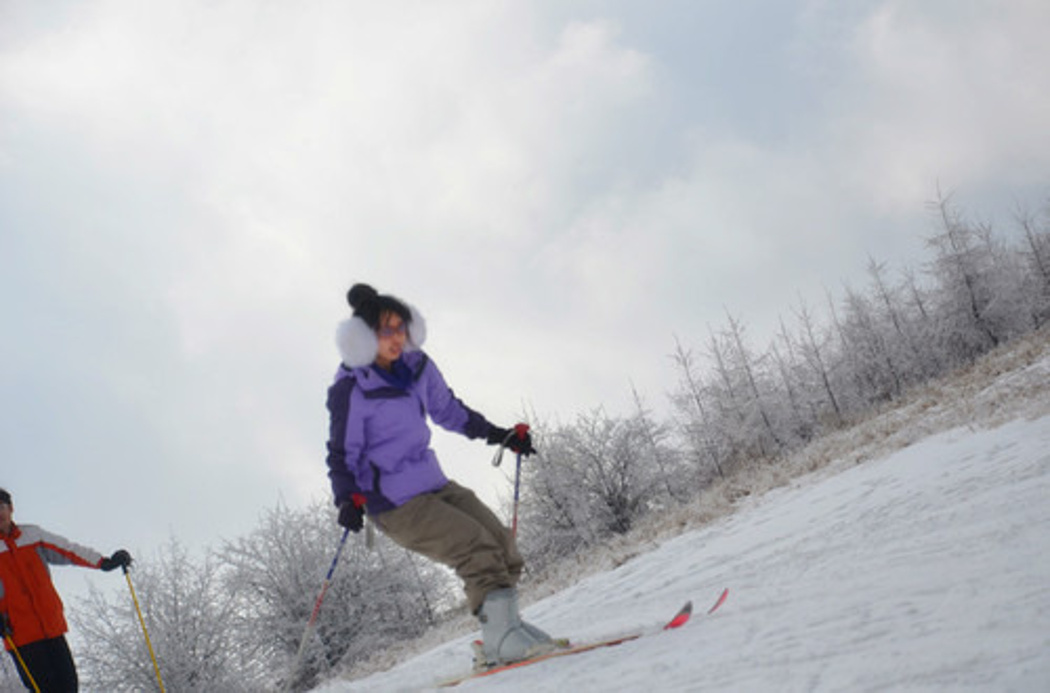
x=520 y=430
x=517 y=493
x=142 y=622
x=22 y=663
x=317 y=608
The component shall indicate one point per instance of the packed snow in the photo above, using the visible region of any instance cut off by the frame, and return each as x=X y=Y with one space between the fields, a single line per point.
x=926 y=569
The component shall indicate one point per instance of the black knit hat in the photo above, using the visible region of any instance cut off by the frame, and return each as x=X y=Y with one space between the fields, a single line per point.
x=5 y=497
x=369 y=305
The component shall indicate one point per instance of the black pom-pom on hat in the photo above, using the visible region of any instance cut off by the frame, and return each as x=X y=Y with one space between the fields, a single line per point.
x=360 y=294
x=366 y=303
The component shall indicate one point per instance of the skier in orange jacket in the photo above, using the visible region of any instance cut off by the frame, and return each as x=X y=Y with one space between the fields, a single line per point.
x=31 y=613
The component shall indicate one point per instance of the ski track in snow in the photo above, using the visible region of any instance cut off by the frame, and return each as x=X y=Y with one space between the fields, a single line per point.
x=926 y=570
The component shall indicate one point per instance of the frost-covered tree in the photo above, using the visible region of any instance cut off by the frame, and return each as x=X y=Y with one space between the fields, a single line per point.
x=1035 y=253
x=234 y=619
x=918 y=307
x=755 y=401
x=966 y=301
x=815 y=349
x=553 y=523
x=595 y=478
x=277 y=569
x=847 y=370
x=375 y=597
x=187 y=609
x=869 y=345
x=889 y=311
x=733 y=420
x=694 y=422
x=803 y=418
x=655 y=436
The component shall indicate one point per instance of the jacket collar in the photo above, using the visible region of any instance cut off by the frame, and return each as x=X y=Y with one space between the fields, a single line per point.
x=369 y=379
x=14 y=534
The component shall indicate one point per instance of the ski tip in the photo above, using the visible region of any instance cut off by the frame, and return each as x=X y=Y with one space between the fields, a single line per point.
x=721 y=600
x=681 y=617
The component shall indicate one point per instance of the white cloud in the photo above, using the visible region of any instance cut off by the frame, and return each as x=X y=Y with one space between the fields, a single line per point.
x=957 y=94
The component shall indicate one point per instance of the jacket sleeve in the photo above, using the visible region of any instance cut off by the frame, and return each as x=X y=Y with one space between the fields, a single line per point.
x=58 y=550
x=345 y=439
x=446 y=410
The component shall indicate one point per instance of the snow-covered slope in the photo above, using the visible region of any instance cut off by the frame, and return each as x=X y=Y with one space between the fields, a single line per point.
x=927 y=569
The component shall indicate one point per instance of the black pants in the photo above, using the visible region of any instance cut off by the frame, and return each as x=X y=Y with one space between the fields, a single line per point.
x=51 y=664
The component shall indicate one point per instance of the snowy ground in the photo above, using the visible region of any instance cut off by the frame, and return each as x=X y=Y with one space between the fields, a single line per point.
x=925 y=570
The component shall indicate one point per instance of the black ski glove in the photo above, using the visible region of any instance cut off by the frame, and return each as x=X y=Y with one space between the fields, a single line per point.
x=517 y=439
x=5 y=625
x=119 y=559
x=352 y=514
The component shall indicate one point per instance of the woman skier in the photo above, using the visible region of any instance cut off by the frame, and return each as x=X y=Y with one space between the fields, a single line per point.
x=380 y=463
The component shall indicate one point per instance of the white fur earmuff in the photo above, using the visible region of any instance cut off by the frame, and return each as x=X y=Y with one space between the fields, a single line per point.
x=417 y=328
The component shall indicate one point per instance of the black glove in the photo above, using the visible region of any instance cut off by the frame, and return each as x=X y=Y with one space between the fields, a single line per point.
x=5 y=625
x=119 y=559
x=517 y=439
x=352 y=514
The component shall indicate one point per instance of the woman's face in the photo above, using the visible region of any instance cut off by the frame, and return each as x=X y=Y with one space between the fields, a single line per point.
x=391 y=336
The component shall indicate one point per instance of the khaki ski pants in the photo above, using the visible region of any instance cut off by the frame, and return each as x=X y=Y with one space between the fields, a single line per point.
x=453 y=527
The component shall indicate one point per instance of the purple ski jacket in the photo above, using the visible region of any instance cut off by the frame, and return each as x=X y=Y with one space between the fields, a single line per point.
x=379 y=440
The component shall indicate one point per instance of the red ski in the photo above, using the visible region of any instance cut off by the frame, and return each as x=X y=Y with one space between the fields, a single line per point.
x=679 y=620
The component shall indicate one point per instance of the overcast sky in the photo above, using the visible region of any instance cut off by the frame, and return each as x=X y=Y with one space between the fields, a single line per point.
x=187 y=190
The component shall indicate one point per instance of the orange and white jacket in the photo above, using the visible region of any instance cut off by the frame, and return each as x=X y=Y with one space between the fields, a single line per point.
x=27 y=595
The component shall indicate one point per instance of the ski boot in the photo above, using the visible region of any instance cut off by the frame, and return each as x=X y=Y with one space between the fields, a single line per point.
x=505 y=638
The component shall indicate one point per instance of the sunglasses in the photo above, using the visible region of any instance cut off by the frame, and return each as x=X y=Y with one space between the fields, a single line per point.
x=387 y=332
